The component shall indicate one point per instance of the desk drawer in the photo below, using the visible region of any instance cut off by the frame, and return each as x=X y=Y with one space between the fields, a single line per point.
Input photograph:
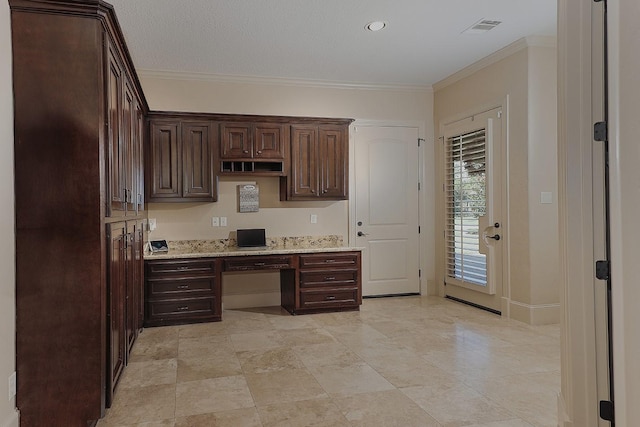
x=179 y=287
x=329 y=260
x=181 y=267
x=330 y=278
x=189 y=309
x=328 y=297
x=258 y=263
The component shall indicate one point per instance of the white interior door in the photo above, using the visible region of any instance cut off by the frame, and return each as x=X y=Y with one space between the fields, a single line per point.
x=473 y=186
x=386 y=208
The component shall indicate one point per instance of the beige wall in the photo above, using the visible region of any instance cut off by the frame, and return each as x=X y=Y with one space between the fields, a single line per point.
x=522 y=80
x=197 y=93
x=8 y=415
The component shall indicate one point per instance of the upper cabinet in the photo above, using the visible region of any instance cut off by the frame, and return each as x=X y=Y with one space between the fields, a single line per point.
x=180 y=161
x=253 y=147
x=319 y=163
x=124 y=119
x=251 y=141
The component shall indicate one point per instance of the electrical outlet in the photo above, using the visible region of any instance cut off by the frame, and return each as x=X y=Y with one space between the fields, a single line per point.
x=152 y=224
x=223 y=221
x=12 y=385
x=215 y=221
x=314 y=219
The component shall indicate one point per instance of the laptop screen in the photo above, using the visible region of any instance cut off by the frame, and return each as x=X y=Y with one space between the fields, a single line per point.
x=251 y=238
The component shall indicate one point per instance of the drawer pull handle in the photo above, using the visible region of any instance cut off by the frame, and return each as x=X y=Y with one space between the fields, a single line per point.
x=183 y=286
x=329 y=298
x=183 y=308
x=329 y=260
x=260 y=264
x=329 y=278
x=183 y=268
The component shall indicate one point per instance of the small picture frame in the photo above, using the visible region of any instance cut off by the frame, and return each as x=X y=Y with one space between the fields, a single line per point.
x=248 y=198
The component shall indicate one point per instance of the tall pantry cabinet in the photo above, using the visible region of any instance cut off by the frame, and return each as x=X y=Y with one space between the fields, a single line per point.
x=79 y=114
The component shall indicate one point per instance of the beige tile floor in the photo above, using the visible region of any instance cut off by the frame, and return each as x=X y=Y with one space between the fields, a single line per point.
x=408 y=361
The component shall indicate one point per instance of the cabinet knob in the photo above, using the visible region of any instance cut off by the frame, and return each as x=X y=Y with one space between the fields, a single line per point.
x=245 y=151
x=259 y=152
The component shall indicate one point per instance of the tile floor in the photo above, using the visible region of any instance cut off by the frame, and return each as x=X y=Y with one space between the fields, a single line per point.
x=408 y=361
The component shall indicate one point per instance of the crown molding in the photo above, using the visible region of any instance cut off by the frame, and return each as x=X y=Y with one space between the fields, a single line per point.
x=278 y=81
x=517 y=46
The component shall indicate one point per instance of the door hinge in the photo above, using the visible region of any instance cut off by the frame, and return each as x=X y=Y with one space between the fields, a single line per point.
x=600 y=131
x=419 y=273
x=418 y=229
x=602 y=270
x=418 y=186
x=420 y=140
x=606 y=410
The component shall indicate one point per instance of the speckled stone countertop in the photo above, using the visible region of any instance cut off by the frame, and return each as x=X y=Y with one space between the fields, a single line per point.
x=228 y=247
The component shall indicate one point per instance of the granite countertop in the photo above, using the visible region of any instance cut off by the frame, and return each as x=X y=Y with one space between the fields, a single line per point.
x=227 y=247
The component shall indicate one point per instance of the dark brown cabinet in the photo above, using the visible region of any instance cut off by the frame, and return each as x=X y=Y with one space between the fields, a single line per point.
x=125 y=141
x=78 y=109
x=182 y=291
x=319 y=163
x=253 y=147
x=324 y=282
x=124 y=295
x=181 y=161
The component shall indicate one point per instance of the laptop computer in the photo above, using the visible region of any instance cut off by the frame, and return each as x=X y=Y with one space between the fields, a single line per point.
x=251 y=238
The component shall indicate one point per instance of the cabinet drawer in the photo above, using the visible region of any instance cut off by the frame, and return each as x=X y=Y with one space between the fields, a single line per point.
x=321 y=298
x=331 y=278
x=176 y=287
x=258 y=263
x=186 y=307
x=336 y=259
x=164 y=268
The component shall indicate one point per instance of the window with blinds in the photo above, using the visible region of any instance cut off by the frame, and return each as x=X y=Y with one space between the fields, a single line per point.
x=466 y=202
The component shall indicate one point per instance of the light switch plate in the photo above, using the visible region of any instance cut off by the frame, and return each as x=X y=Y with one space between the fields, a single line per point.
x=314 y=219
x=215 y=221
x=152 y=224
x=223 y=221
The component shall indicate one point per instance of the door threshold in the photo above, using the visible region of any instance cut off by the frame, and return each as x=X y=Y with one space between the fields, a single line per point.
x=472 y=304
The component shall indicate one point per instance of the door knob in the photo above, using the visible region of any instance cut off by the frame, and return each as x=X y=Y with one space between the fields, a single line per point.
x=494 y=237
x=496 y=225
x=360 y=234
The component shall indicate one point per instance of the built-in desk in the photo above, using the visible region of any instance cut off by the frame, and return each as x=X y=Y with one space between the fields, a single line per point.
x=187 y=287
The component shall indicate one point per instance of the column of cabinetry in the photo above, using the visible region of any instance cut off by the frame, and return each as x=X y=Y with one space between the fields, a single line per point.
x=79 y=110
x=124 y=296
x=180 y=161
x=319 y=163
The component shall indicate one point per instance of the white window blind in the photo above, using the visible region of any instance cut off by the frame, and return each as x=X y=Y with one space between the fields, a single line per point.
x=465 y=203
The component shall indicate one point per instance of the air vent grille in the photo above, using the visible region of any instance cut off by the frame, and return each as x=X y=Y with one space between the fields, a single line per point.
x=482 y=26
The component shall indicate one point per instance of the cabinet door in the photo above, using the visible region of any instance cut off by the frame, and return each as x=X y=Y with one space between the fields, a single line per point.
x=116 y=340
x=116 y=193
x=235 y=141
x=197 y=162
x=138 y=253
x=131 y=287
x=164 y=177
x=139 y=156
x=303 y=180
x=129 y=151
x=332 y=162
x=268 y=141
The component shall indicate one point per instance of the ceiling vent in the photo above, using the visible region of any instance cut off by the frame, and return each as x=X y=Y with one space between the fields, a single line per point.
x=482 y=26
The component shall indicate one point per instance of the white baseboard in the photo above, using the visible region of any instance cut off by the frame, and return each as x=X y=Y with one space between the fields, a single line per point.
x=12 y=420
x=534 y=314
x=263 y=299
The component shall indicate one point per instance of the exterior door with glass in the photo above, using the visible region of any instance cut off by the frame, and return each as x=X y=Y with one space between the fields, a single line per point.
x=474 y=228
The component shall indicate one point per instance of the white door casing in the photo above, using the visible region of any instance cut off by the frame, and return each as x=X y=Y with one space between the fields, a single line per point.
x=386 y=163
x=474 y=245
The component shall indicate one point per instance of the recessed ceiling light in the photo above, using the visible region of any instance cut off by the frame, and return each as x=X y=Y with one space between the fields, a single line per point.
x=375 y=25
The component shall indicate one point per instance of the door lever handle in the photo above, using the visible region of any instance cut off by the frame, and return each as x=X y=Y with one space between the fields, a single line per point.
x=494 y=237
x=360 y=234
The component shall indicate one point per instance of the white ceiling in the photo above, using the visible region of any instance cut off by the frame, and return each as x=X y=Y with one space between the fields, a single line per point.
x=325 y=40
